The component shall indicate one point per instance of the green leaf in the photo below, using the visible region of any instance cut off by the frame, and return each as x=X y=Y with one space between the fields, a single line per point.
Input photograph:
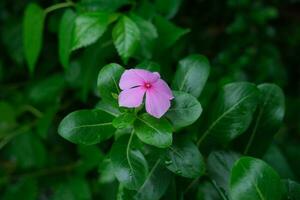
x=153 y=131
x=89 y=27
x=291 y=190
x=45 y=121
x=108 y=82
x=109 y=108
x=156 y=182
x=148 y=35
x=73 y=189
x=23 y=189
x=149 y=65
x=191 y=75
x=207 y=191
x=232 y=112
x=102 y=5
x=267 y=121
x=66 y=28
x=184 y=111
x=124 y=194
x=124 y=120
x=253 y=179
x=129 y=164
x=168 y=8
x=168 y=32
x=106 y=171
x=28 y=151
x=184 y=159
x=7 y=117
x=126 y=36
x=219 y=165
x=86 y=127
x=90 y=157
x=33 y=33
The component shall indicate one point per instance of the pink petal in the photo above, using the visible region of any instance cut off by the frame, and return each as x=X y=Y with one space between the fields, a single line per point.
x=130 y=79
x=163 y=88
x=131 y=98
x=156 y=104
x=147 y=76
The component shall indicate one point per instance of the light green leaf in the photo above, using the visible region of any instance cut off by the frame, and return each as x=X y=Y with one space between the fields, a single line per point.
x=33 y=25
x=108 y=82
x=184 y=111
x=126 y=36
x=130 y=166
x=191 y=75
x=89 y=27
x=87 y=127
x=153 y=131
x=253 y=179
x=65 y=38
x=184 y=159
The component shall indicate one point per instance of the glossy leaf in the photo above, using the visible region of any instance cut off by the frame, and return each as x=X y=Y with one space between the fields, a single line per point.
x=124 y=120
x=66 y=28
x=184 y=159
x=191 y=75
x=126 y=36
x=267 y=121
x=153 y=131
x=129 y=164
x=232 y=112
x=108 y=82
x=87 y=127
x=184 y=111
x=253 y=179
x=89 y=27
x=33 y=25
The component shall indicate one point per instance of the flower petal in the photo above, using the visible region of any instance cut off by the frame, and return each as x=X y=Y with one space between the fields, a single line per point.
x=156 y=104
x=131 y=98
x=147 y=76
x=162 y=87
x=130 y=79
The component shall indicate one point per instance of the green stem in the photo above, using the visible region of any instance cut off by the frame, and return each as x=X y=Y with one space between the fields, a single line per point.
x=59 y=6
x=202 y=137
x=218 y=189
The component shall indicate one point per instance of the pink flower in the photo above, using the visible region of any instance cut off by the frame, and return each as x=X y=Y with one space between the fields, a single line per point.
x=136 y=82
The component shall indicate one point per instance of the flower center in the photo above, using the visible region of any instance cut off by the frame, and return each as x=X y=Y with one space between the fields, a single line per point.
x=148 y=85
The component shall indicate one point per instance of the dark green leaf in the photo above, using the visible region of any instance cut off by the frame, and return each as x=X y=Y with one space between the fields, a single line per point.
x=232 y=112
x=148 y=65
x=184 y=111
x=130 y=166
x=45 y=121
x=74 y=189
x=7 y=117
x=184 y=159
x=102 y=5
x=168 y=8
x=90 y=157
x=219 y=165
x=87 y=127
x=191 y=75
x=66 y=28
x=207 y=191
x=23 y=189
x=89 y=27
x=291 y=190
x=126 y=36
x=124 y=194
x=153 y=131
x=253 y=179
x=269 y=117
x=33 y=33
x=124 y=120
x=109 y=108
x=108 y=82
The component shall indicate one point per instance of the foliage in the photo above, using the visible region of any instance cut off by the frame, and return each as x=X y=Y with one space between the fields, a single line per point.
x=232 y=131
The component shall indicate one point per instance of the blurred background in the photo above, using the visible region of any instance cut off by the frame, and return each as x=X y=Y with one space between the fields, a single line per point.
x=245 y=40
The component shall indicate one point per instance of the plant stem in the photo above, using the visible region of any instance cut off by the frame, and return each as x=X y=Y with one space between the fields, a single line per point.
x=202 y=137
x=59 y=6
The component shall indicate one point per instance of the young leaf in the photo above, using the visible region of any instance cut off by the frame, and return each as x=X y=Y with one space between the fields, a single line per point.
x=65 y=38
x=184 y=159
x=191 y=75
x=156 y=132
x=232 y=112
x=33 y=33
x=108 y=82
x=184 y=111
x=126 y=37
x=253 y=179
x=269 y=116
x=86 y=127
x=125 y=120
x=130 y=166
x=89 y=27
